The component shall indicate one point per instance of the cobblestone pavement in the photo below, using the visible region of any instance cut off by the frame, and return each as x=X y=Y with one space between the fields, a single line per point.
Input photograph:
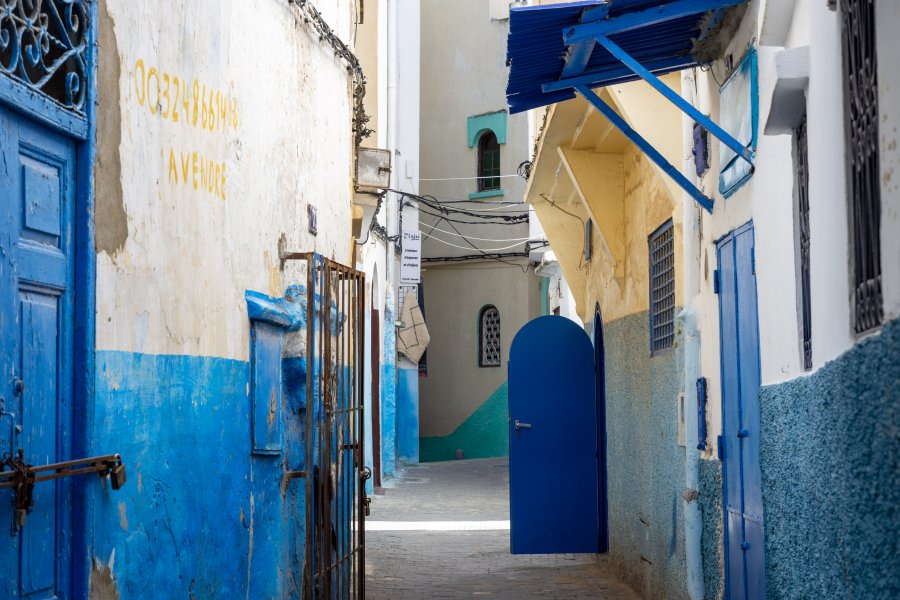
x=455 y=563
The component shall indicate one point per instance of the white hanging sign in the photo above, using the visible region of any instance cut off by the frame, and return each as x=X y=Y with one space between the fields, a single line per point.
x=411 y=257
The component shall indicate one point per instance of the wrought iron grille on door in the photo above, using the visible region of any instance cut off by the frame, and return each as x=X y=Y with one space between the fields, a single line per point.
x=336 y=500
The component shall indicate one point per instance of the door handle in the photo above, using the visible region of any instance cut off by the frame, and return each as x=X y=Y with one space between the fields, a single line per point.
x=742 y=433
x=520 y=425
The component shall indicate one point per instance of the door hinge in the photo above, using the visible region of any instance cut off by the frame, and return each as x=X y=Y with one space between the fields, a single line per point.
x=716 y=283
x=753 y=260
x=720 y=447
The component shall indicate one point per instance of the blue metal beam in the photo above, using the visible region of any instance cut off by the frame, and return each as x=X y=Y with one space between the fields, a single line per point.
x=644 y=18
x=610 y=76
x=646 y=147
x=675 y=99
x=580 y=53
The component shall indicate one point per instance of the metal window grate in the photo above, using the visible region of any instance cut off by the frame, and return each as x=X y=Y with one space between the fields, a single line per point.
x=46 y=46
x=489 y=324
x=801 y=165
x=861 y=106
x=662 y=288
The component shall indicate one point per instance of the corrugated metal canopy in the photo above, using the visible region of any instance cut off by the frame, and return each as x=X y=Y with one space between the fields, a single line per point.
x=537 y=53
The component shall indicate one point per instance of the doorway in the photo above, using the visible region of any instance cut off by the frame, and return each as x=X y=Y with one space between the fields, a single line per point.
x=745 y=576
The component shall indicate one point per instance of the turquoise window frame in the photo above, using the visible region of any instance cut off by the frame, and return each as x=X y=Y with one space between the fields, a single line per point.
x=477 y=126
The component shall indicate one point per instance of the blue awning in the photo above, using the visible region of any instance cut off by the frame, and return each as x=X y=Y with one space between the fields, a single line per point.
x=537 y=52
x=557 y=50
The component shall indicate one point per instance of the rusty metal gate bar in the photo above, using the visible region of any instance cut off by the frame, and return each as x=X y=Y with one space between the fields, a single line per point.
x=335 y=491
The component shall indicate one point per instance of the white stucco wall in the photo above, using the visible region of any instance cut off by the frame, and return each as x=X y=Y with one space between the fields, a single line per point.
x=174 y=283
x=769 y=200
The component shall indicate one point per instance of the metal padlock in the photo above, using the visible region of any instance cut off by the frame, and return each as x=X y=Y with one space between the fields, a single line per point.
x=117 y=477
x=368 y=502
x=21 y=515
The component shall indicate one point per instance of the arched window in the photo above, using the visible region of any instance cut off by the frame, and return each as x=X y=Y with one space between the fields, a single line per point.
x=488 y=162
x=489 y=337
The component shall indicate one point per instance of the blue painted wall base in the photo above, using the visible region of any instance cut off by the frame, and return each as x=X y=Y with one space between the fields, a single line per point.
x=408 y=412
x=199 y=515
x=485 y=434
x=830 y=459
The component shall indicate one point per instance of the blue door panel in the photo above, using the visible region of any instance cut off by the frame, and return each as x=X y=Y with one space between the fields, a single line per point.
x=749 y=374
x=734 y=556
x=36 y=324
x=742 y=490
x=553 y=471
x=39 y=416
x=730 y=383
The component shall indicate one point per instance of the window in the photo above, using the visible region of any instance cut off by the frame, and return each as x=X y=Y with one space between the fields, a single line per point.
x=801 y=167
x=864 y=183
x=662 y=288
x=739 y=109
x=488 y=162
x=489 y=336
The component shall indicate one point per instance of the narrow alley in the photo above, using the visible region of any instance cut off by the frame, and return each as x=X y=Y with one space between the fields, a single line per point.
x=442 y=531
x=397 y=299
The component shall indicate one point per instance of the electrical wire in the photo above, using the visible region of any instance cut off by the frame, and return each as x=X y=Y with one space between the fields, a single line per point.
x=467 y=178
x=472 y=237
x=437 y=239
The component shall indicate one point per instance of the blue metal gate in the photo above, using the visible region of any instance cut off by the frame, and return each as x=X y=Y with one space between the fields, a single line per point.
x=553 y=443
x=739 y=444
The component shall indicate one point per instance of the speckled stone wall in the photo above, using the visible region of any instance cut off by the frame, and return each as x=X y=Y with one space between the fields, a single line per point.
x=830 y=460
x=645 y=464
x=711 y=511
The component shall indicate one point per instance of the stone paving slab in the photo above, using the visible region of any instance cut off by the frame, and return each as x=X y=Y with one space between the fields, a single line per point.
x=468 y=564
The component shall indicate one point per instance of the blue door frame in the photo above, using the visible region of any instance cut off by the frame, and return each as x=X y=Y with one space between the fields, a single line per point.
x=27 y=104
x=600 y=383
x=742 y=506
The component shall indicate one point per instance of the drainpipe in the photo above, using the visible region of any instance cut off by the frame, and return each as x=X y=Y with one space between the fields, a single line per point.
x=688 y=325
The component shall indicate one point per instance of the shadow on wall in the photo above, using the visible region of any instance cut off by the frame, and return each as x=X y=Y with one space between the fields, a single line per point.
x=485 y=434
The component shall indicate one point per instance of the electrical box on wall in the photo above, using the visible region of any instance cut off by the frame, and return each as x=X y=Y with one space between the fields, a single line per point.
x=373 y=169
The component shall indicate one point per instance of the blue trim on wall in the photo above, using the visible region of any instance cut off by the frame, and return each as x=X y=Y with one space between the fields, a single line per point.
x=85 y=321
x=478 y=124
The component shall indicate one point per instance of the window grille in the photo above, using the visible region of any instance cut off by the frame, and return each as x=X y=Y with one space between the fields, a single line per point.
x=488 y=162
x=662 y=288
x=801 y=165
x=489 y=334
x=861 y=122
x=46 y=46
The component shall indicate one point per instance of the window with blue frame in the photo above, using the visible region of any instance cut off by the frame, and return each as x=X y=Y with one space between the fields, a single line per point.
x=662 y=288
x=739 y=114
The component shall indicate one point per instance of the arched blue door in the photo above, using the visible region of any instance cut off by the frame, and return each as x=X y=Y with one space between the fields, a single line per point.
x=553 y=464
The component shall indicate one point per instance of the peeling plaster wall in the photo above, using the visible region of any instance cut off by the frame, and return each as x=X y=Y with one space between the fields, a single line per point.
x=189 y=215
x=624 y=289
x=174 y=283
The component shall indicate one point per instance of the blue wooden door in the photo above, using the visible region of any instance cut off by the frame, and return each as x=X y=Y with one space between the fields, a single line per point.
x=37 y=185
x=553 y=468
x=745 y=576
